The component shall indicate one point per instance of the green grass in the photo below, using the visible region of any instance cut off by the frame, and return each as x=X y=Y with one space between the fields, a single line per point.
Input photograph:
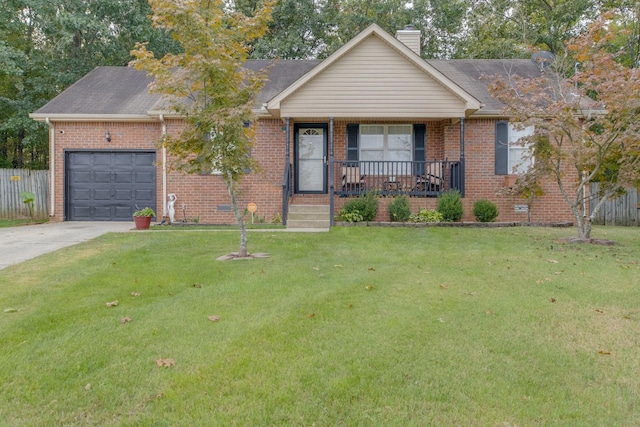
x=356 y=327
x=19 y=222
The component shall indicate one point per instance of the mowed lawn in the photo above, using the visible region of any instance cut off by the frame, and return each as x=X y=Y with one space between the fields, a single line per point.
x=355 y=327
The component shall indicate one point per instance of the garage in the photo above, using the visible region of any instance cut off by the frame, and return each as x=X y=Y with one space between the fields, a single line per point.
x=108 y=185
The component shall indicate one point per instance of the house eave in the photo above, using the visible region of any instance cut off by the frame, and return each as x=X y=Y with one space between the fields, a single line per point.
x=42 y=117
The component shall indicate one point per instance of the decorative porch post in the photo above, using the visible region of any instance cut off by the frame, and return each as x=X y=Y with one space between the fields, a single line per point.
x=286 y=181
x=331 y=183
x=462 y=172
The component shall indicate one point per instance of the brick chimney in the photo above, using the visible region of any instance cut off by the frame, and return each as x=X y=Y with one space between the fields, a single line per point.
x=410 y=37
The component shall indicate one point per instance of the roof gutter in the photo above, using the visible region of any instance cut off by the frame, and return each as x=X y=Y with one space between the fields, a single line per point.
x=52 y=166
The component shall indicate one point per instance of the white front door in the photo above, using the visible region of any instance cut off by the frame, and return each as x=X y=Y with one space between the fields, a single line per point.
x=311 y=159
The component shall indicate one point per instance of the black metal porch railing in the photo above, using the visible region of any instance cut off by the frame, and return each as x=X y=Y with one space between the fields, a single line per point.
x=395 y=178
x=287 y=191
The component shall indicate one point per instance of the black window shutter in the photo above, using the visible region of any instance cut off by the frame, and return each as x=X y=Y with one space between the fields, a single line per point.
x=419 y=148
x=352 y=141
x=502 y=148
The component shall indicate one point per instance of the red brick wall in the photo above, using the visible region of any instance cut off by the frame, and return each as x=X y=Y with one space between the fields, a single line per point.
x=205 y=196
x=91 y=135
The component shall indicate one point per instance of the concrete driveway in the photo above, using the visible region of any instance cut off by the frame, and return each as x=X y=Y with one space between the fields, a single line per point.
x=18 y=244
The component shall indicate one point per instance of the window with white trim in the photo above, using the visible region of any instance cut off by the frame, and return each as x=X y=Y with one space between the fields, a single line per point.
x=385 y=143
x=512 y=155
x=519 y=153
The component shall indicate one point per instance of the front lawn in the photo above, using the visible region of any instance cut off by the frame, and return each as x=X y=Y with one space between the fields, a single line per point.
x=355 y=327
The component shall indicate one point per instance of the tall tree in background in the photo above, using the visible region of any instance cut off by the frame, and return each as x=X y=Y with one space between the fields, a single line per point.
x=46 y=46
x=297 y=30
x=209 y=87
x=441 y=23
x=511 y=29
x=626 y=23
x=584 y=132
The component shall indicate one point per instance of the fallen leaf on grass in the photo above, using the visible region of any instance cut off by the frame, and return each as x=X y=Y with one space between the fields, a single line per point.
x=368 y=287
x=553 y=300
x=372 y=269
x=604 y=353
x=87 y=387
x=599 y=311
x=443 y=286
x=124 y=320
x=312 y=315
x=165 y=363
x=111 y=304
x=214 y=318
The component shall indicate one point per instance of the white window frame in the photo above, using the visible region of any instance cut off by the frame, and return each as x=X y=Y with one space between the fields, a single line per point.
x=385 y=145
x=519 y=156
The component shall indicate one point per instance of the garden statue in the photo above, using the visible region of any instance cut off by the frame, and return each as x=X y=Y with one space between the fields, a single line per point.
x=170 y=208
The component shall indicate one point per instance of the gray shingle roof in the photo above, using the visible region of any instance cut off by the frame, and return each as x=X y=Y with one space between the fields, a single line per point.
x=475 y=75
x=124 y=90
x=105 y=90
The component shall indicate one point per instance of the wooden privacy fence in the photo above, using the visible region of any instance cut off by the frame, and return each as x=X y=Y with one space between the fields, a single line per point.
x=15 y=181
x=623 y=210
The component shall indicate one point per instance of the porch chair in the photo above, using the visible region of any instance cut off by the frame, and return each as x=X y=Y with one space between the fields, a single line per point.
x=352 y=181
x=432 y=179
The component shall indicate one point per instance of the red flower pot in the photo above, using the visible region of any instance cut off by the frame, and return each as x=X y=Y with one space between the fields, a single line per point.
x=142 y=222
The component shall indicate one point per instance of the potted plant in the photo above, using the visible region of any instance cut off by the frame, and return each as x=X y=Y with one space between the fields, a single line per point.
x=142 y=218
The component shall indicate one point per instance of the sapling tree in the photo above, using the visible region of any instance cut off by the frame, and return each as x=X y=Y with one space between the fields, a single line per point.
x=587 y=127
x=208 y=87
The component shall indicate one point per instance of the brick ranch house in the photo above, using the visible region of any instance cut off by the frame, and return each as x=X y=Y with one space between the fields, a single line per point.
x=372 y=116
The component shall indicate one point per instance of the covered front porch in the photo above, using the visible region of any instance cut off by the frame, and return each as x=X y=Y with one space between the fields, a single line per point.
x=326 y=162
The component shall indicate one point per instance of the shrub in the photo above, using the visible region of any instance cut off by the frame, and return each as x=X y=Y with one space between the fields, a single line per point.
x=144 y=212
x=399 y=209
x=364 y=208
x=426 y=215
x=485 y=210
x=450 y=205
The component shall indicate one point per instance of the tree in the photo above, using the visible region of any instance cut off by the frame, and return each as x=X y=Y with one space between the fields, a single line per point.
x=297 y=30
x=45 y=47
x=512 y=28
x=209 y=87
x=587 y=128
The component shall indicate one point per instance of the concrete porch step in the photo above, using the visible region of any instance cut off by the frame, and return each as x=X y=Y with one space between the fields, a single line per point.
x=308 y=216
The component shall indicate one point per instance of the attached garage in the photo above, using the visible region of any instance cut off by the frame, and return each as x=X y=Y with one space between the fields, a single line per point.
x=108 y=185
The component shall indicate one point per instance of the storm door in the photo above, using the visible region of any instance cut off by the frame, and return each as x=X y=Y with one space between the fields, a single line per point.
x=311 y=158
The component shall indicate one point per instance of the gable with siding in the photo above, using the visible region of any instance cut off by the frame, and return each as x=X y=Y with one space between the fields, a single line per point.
x=373 y=81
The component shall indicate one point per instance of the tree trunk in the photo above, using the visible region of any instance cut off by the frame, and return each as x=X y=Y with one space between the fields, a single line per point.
x=242 y=252
x=584 y=227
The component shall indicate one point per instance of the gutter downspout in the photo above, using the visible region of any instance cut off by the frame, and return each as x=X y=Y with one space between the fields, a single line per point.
x=52 y=167
x=164 y=167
